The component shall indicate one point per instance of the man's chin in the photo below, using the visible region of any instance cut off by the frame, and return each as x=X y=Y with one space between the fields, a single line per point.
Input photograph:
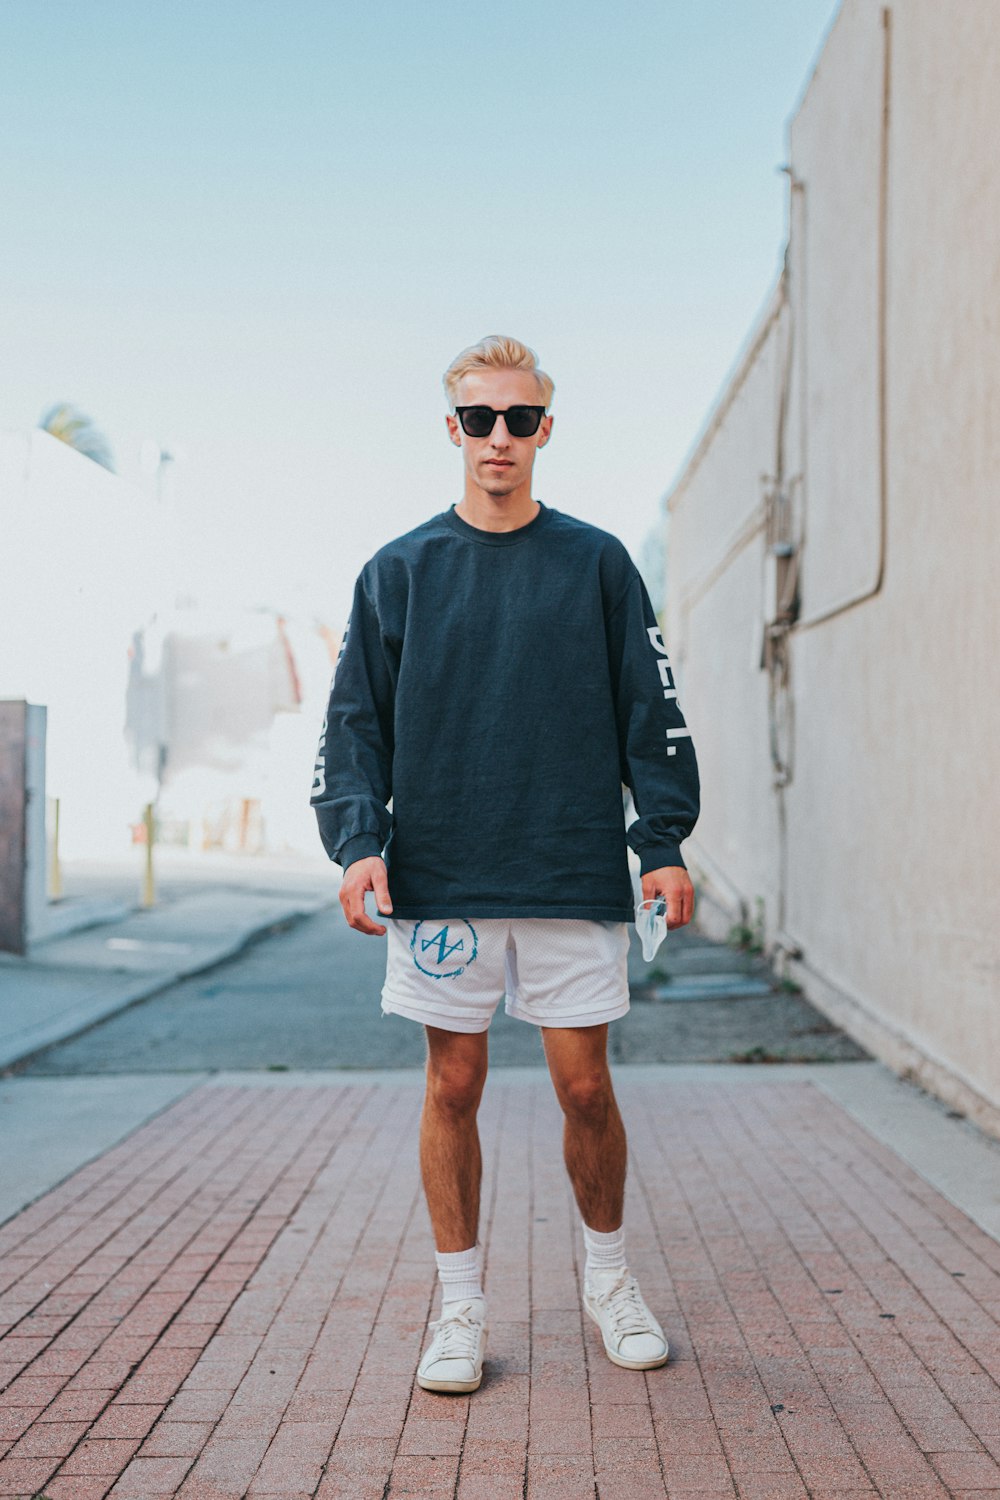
x=495 y=483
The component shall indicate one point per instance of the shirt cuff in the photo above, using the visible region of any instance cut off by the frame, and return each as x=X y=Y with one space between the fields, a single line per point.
x=659 y=856
x=361 y=846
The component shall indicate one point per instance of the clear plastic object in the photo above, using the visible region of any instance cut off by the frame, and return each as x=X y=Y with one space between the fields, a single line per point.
x=651 y=924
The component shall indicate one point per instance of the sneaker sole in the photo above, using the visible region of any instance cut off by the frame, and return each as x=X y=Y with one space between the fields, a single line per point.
x=454 y=1386
x=619 y=1359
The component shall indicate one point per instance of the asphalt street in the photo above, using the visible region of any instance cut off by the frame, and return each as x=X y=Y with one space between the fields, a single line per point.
x=308 y=998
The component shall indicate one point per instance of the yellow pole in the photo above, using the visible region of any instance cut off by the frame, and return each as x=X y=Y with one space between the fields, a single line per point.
x=55 y=869
x=148 y=886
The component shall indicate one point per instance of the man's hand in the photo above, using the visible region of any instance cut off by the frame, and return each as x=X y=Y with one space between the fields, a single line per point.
x=360 y=876
x=673 y=882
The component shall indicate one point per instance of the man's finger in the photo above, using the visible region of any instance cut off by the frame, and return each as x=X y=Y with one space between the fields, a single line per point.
x=380 y=885
x=365 y=924
x=358 y=917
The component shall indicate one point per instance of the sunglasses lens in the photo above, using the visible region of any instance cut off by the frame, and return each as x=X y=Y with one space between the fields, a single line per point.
x=522 y=421
x=478 y=420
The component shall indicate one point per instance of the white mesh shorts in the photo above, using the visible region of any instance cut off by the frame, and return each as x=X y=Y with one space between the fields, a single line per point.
x=453 y=972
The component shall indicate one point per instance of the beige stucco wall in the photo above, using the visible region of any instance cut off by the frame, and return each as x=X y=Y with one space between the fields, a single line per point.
x=877 y=861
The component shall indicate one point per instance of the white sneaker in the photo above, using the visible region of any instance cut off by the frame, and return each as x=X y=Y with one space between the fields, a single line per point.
x=454 y=1359
x=632 y=1336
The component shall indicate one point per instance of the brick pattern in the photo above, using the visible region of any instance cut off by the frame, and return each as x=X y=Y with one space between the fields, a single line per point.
x=233 y=1301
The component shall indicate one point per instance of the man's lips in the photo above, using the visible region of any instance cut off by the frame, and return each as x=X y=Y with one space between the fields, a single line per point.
x=500 y=463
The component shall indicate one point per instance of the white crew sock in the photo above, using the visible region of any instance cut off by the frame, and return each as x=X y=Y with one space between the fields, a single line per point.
x=459 y=1274
x=605 y=1251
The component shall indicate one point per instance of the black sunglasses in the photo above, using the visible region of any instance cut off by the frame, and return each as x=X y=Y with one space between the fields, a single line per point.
x=479 y=421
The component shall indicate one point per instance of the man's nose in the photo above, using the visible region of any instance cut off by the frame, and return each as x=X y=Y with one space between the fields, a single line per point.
x=500 y=437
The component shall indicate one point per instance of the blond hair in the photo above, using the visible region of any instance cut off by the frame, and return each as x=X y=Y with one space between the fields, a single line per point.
x=495 y=352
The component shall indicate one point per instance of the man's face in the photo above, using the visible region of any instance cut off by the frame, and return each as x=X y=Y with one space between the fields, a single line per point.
x=499 y=463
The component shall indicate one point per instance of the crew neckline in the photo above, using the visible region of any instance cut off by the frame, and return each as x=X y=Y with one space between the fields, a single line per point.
x=497 y=538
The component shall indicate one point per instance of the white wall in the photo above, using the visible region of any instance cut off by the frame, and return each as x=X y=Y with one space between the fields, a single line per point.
x=86 y=562
x=82 y=565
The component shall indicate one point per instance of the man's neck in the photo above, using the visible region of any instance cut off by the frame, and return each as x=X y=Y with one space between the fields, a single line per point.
x=497 y=512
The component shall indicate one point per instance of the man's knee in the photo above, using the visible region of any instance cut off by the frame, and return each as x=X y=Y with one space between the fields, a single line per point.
x=587 y=1095
x=456 y=1074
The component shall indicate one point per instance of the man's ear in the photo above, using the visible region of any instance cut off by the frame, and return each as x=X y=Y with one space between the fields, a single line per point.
x=452 y=425
x=546 y=430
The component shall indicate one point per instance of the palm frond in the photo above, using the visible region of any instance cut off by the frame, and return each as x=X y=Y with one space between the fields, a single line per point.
x=72 y=427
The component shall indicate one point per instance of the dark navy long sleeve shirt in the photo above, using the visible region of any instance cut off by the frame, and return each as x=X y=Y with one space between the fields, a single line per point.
x=493 y=693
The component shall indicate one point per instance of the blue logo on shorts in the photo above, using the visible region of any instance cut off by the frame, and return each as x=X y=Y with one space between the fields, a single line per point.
x=443 y=949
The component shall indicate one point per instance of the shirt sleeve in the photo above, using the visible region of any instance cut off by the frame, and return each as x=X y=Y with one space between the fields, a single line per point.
x=658 y=761
x=352 y=784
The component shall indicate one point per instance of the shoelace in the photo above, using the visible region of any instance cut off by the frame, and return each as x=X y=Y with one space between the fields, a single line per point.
x=456 y=1336
x=623 y=1301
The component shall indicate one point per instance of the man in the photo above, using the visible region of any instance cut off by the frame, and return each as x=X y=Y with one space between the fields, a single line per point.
x=501 y=678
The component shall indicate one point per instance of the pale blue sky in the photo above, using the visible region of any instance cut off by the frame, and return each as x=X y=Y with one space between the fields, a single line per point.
x=258 y=230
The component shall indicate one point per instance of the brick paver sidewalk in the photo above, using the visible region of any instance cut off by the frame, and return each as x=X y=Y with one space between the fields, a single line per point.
x=233 y=1302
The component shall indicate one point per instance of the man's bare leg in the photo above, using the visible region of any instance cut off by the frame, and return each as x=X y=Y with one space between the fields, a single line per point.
x=451 y=1161
x=595 y=1149
x=594 y=1142
x=451 y=1167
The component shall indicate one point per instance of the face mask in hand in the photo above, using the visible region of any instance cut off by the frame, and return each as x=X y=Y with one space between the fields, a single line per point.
x=651 y=924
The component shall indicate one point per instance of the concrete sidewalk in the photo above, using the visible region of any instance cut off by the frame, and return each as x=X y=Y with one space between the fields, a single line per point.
x=206 y=913
x=232 y=1301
